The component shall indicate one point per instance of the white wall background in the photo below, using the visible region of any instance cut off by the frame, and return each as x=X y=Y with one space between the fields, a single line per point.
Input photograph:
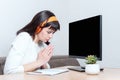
x=15 y=14
x=110 y=27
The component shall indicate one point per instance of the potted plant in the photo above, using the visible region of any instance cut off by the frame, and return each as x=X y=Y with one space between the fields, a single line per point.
x=91 y=65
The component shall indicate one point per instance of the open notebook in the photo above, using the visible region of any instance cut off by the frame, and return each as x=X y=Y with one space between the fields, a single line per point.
x=53 y=71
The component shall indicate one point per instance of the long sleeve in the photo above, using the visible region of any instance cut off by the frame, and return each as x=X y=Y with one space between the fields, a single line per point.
x=14 y=59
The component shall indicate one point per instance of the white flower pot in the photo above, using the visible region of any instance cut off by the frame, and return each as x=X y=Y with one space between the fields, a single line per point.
x=92 y=68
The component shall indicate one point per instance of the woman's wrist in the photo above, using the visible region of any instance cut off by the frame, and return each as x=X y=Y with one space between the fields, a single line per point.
x=38 y=63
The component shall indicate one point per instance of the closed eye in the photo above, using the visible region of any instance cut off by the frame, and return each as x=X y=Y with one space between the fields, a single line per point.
x=49 y=32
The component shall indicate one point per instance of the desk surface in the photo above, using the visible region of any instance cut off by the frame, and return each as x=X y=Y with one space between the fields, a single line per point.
x=107 y=74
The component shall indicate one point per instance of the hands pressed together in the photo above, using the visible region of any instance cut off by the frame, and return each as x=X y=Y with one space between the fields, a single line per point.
x=45 y=54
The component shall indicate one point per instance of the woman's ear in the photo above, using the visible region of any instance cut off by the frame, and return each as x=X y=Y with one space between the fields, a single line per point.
x=38 y=30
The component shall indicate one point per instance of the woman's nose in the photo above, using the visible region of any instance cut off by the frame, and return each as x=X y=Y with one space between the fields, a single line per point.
x=51 y=35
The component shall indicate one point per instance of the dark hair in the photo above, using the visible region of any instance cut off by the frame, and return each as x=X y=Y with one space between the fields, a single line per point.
x=37 y=20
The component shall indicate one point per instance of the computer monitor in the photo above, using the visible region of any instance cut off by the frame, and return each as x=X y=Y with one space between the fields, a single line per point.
x=85 y=37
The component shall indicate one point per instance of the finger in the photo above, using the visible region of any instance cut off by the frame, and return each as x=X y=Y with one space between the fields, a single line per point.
x=42 y=51
x=51 y=51
x=50 y=54
x=45 y=50
x=48 y=49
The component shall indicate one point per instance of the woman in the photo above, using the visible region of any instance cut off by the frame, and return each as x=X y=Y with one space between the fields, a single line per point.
x=29 y=51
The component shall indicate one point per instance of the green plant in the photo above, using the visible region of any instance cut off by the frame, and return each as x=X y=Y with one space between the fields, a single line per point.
x=91 y=59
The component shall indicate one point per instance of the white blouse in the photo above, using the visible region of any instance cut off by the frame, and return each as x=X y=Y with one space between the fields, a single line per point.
x=23 y=50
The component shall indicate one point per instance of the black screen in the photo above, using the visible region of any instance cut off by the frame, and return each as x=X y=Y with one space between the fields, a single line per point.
x=85 y=37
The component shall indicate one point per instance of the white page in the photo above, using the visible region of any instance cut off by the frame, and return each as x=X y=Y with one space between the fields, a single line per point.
x=49 y=71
